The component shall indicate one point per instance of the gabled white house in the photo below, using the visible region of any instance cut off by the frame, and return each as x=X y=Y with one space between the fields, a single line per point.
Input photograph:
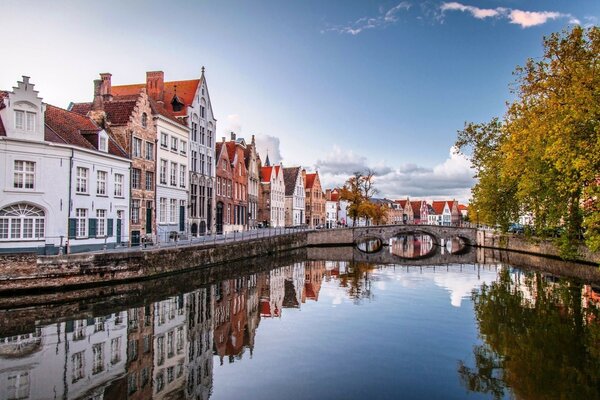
x=294 y=196
x=64 y=183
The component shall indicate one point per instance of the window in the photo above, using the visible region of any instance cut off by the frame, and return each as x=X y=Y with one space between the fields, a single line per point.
x=77 y=361
x=135 y=211
x=202 y=163
x=209 y=165
x=173 y=210
x=173 y=174
x=25 y=120
x=202 y=134
x=144 y=120
x=202 y=112
x=24 y=174
x=132 y=383
x=182 y=176
x=194 y=131
x=164 y=140
x=174 y=143
x=81 y=221
x=194 y=161
x=136 y=178
x=82 y=180
x=137 y=147
x=101 y=184
x=149 y=151
x=149 y=180
x=218 y=186
x=118 y=185
x=183 y=147
x=103 y=146
x=98 y=358
x=101 y=223
x=115 y=350
x=163 y=172
x=162 y=209
x=209 y=138
x=21 y=221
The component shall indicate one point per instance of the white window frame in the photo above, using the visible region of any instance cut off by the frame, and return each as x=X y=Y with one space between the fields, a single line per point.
x=164 y=140
x=164 y=165
x=173 y=210
x=101 y=222
x=119 y=185
x=82 y=180
x=81 y=229
x=173 y=176
x=24 y=175
x=101 y=177
x=182 y=173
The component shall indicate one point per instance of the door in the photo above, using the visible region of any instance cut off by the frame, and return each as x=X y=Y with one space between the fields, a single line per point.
x=149 y=220
x=181 y=218
x=194 y=229
x=219 y=217
x=135 y=238
x=209 y=214
x=120 y=214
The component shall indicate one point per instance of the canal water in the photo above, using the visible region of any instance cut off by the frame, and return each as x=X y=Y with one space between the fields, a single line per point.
x=308 y=327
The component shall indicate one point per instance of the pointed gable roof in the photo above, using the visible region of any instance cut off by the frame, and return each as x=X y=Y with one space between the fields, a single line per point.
x=401 y=202
x=290 y=176
x=265 y=174
x=438 y=206
x=310 y=180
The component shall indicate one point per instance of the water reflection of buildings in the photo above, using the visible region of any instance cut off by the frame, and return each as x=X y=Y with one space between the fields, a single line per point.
x=76 y=359
x=200 y=311
x=411 y=246
x=140 y=352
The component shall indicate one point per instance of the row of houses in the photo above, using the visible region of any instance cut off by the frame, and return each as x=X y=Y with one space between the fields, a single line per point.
x=139 y=163
x=439 y=212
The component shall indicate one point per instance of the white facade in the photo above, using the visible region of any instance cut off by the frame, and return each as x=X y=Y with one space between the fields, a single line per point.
x=277 y=200
x=331 y=214
x=54 y=192
x=173 y=175
x=201 y=160
x=298 y=201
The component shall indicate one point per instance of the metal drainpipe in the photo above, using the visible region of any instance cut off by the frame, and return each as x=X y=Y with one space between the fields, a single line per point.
x=70 y=199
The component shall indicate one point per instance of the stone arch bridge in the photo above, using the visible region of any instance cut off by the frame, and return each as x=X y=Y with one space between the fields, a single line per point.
x=438 y=232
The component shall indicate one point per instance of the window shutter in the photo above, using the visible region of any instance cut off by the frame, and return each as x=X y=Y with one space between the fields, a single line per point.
x=92 y=229
x=109 y=228
x=72 y=228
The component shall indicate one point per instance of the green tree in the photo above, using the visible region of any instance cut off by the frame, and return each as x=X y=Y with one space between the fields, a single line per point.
x=358 y=190
x=544 y=157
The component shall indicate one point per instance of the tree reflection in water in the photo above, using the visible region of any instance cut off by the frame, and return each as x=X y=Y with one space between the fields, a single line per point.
x=541 y=339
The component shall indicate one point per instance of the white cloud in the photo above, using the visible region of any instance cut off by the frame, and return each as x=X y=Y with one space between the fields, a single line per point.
x=525 y=19
x=383 y=19
x=266 y=144
x=452 y=178
x=532 y=18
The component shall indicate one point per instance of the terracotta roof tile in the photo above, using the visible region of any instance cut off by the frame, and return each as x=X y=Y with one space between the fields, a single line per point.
x=3 y=94
x=290 y=176
x=185 y=90
x=230 y=150
x=68 y=127
x=401 y=202
x=265 y=174
x=438 y=207
x=310 y=180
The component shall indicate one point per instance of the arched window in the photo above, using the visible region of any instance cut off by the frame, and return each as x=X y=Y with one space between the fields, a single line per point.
x=22 y=221
x=144 y=120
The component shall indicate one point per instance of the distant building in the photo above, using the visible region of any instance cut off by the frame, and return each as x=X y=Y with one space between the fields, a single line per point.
x=294 y=196
x=223 y=189
x=272 y=200
x=315 y=200
x=252 y=159
x=236 y=149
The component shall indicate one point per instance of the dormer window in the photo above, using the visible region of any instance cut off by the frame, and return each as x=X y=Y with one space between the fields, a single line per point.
x=24 y=120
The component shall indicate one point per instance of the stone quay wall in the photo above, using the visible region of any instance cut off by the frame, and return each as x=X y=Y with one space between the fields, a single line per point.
x=523 y=244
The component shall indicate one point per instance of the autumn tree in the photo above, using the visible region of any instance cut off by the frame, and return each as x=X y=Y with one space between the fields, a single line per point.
x=544 y=157
x=358 y=190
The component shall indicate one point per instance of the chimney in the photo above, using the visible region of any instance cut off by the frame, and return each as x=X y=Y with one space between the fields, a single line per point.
x=106 y=88
x=223 y=137
x=97 y=104
x=155 y=84
x=232 y=136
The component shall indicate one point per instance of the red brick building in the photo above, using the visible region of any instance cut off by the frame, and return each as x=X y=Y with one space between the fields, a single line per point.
x=235 y=152
x=224 y=189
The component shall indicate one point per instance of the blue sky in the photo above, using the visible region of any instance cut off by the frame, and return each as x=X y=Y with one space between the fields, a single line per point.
x=333 y=85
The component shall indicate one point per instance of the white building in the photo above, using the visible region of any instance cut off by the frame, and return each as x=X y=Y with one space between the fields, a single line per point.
x=294 y=196
x=65 y=180
x=172 y=165
x=273 y=188
x=331 y=214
